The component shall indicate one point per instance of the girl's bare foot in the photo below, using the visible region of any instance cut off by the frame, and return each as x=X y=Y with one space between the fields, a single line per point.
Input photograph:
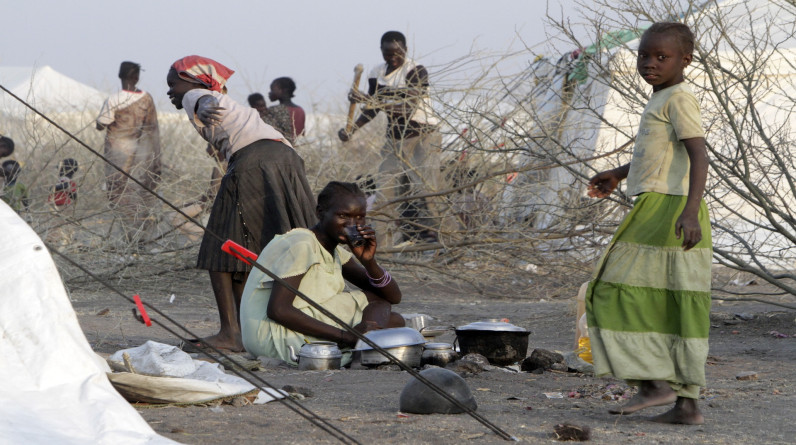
x=650 y=393
x=221 y=341
x=685 y=412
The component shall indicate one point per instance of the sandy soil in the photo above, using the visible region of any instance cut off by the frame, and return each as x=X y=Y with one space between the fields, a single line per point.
x=364 y=403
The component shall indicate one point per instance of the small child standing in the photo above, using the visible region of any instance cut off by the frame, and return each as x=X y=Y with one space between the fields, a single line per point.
x=14 y=193
x=65 y=192
x=62 y=197
x=648 y=303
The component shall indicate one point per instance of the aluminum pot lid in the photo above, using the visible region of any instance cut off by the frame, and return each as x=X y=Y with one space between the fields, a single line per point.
x=490 y=325
x=391 y=338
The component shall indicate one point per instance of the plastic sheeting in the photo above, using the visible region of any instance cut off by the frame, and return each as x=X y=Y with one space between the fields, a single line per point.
x=165 y=374
x=54 y=387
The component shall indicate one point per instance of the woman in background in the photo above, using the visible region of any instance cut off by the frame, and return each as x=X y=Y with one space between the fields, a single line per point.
x=132 y=143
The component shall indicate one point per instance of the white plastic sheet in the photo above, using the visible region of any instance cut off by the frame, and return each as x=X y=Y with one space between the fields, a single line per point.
x=155 y=366
x=54 y=388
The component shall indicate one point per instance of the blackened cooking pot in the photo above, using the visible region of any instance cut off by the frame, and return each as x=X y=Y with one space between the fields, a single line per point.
x=500 y=342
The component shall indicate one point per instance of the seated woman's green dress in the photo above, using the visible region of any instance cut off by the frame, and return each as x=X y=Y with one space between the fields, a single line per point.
x=294 y=253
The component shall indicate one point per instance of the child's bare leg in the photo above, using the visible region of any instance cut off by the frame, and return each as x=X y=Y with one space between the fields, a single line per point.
x=650 y=393
x=685 y=412
x=228 y=336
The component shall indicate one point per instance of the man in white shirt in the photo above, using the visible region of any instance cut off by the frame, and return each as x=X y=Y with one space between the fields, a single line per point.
x=411 y=156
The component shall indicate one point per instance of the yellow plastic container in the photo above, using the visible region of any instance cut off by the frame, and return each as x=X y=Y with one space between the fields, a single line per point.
x=584 y=349
x=582 y=341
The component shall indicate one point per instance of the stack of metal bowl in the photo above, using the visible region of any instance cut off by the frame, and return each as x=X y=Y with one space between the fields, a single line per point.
x=406 y=344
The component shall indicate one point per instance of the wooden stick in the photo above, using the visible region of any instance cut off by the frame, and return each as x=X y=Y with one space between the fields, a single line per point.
x=349 y=126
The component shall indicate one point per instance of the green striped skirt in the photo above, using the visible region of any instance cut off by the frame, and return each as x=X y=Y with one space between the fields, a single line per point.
x=648 y=304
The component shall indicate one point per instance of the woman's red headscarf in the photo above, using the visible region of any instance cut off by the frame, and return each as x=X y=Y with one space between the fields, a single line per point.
x=208 y=72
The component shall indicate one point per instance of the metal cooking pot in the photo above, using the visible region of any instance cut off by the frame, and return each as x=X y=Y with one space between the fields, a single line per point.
x=438 y=354
x=406 y=344
x=410 y=355
x=317 y=356
x=500 y=342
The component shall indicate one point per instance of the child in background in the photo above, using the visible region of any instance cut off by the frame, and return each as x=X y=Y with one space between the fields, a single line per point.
x=648 y=303
x=14 y=193
x=278 y=118
x=65 y=192
x=6 y=149
x=282 y=90
x=6 y=146
x=62 y=197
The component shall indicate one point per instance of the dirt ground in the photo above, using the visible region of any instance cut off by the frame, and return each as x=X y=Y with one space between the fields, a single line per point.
x=364 y=403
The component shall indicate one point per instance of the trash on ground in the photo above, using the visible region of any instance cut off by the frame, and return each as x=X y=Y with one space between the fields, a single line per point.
x=570 y=431
x=747 y=375
x=159 y=373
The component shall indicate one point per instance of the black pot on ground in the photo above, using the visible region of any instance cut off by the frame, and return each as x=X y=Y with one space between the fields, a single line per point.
x=417 y=398
x=500 y=342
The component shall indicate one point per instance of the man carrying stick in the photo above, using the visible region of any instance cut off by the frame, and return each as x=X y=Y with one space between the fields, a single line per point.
x=411 y=156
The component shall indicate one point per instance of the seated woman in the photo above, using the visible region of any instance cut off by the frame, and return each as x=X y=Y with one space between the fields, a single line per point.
x=314 y=262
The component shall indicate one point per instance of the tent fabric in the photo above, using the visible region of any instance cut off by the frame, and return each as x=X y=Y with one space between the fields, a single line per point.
x=55 y=388
x=47 y=90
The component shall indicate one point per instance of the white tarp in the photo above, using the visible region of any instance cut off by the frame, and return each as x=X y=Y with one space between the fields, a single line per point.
x=54 y=387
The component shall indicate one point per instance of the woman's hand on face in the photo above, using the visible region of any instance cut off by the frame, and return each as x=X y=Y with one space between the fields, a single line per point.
x=367 y=251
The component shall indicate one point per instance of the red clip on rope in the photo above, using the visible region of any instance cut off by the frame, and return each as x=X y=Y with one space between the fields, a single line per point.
x=239 y=252
x=141 y=309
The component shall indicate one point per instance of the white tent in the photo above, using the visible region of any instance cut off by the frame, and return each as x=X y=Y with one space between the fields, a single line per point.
x=55 y=388
x=47 y=90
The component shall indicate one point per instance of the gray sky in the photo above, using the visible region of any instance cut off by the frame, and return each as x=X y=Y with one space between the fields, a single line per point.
x=317 y=43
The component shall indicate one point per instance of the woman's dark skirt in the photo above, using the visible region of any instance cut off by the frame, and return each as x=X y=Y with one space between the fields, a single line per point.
x=263 y=194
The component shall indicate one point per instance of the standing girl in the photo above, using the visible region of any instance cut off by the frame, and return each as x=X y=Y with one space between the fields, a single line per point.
x=648 y=303
x=263 y=193
x=282 y=90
